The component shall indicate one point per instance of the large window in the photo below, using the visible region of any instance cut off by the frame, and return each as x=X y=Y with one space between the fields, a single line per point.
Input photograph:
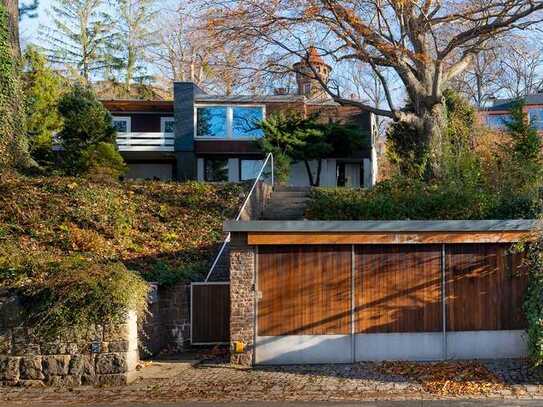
x=216 y=169
x=229 y=122
x=249 y=169
x=245 y=122
x=498 y=121
x=211 y=122
x=122 y=124
x=536 y=118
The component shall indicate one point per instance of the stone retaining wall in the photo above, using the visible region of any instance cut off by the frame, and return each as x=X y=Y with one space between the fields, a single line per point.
x=167 y=327
x=107 y=355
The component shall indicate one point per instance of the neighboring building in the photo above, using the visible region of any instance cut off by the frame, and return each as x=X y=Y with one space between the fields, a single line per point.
x=212 y=138
x=497 y=115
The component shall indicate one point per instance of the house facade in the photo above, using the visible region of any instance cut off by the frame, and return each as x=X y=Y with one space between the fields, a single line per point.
x=498 y=114
x=213 y=138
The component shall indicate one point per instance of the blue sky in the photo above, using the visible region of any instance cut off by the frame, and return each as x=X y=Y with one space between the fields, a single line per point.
x=29 y=26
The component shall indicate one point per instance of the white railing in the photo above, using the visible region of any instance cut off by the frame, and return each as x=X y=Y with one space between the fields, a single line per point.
x=145 y=141
x=269 y=159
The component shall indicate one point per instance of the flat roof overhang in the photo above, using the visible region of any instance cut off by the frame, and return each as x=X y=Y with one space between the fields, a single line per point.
x=384 y=232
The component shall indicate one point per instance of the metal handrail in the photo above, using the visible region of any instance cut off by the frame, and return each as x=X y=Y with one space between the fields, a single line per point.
x=269 y=158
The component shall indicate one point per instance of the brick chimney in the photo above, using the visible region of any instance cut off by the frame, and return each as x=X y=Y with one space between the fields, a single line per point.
x=308 y=84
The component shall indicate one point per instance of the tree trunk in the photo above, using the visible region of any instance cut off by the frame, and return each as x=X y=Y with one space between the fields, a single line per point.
x=309 y=173
x=431 y=124
x=314 y=182
x=12 y=7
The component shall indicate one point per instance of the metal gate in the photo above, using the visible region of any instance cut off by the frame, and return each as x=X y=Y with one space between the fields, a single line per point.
x=210 y=313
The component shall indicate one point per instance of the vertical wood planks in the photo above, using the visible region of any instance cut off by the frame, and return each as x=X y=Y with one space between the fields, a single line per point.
x=484 y=288
x=305 y=290
x=398 y=288
x=210 y=313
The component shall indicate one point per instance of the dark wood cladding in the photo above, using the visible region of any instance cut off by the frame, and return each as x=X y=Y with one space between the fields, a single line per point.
x=398 y=288
x=146 y=123
x=306 y=290
x=484 y=288
x=159 y=106
x=210 y=313
x=226 y=147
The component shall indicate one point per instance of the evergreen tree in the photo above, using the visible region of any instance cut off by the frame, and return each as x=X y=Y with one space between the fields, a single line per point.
x=294 y=138
x=43 y=88
x=13 y=142
x=80 y=37
x=526 y=145
x=88 y=135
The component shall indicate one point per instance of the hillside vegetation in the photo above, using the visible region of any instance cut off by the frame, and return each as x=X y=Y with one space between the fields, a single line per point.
x=145 y=225
x=78 y=251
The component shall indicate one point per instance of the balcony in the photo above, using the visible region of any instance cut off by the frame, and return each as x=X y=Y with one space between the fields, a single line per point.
x=146 y=141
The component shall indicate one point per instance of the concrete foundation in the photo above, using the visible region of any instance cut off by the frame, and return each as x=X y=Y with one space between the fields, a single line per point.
x=425 y=346
x=303 y=349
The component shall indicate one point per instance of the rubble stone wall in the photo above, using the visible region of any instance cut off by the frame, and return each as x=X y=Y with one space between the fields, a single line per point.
x=107 y=355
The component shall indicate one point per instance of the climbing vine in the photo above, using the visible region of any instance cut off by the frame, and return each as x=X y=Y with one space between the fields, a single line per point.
x=533 y=301
x=13 y=143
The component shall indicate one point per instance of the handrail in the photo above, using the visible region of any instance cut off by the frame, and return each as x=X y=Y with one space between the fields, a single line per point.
x=269 y=157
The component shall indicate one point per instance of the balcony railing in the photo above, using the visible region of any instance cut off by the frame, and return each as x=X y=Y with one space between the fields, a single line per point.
x=145 y=141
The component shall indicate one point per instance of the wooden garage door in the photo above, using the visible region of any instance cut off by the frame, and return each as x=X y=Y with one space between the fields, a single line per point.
x=305 y=290
x=485 y=288
x=398 y=288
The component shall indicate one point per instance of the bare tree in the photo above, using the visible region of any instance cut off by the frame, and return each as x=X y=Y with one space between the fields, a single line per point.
x=426 y=43
x=480 y=82
x=521 y=69
x=181 y=52
x=187 y=50
x=136 y=36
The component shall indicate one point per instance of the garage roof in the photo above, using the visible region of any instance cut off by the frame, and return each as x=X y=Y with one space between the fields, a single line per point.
x=396 y=226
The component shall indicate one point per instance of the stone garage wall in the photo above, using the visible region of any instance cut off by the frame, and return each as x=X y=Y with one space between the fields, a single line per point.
x=242 y=298
x=107 y=356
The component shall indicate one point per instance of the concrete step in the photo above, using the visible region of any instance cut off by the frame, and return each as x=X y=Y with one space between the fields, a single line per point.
x=288 y=202
x=288 y=188
x=289 y=194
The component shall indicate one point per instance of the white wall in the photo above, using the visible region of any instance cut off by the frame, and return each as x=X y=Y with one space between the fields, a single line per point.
x=299 y=178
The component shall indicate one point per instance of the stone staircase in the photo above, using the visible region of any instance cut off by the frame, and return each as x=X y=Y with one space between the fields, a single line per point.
x=287 y=203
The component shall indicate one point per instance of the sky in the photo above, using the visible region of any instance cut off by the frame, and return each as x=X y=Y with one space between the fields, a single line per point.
x=29 y=26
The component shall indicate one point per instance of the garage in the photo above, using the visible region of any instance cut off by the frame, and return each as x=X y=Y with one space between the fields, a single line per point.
x=342 y=292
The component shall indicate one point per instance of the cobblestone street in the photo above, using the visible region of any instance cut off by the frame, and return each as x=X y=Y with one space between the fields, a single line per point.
x=185 y=381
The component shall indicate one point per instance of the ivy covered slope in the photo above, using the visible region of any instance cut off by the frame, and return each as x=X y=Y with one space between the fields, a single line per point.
x=68 y=245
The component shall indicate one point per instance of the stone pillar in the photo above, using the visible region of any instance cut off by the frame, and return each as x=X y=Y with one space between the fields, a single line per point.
x=242 y=298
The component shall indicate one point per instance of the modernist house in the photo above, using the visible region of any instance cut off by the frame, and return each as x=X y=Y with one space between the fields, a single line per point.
x=497 y=115
x=213 y=138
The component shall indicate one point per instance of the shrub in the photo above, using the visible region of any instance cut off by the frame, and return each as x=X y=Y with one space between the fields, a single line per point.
x=87 y=132
x=70 y=294
x=400 y=199
x=103 y=160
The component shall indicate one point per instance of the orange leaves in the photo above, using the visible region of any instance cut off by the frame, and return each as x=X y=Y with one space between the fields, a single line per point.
x=448 y=378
